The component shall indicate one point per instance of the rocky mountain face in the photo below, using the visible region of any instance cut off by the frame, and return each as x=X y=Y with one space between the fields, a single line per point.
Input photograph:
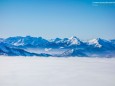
x=17 y=46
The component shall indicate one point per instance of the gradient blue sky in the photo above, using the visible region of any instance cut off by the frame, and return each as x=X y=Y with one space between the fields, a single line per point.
x=57 y=18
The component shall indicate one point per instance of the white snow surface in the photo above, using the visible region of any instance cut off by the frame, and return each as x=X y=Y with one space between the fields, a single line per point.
x=95 y=41
x=74 y=40
x=53 y=71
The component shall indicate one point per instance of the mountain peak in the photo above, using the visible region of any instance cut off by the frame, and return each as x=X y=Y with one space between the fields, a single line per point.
x=73 y=37
x=96 y=42
x=74 y=40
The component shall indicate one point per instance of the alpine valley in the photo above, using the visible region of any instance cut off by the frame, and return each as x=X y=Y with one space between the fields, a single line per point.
x=67 y=47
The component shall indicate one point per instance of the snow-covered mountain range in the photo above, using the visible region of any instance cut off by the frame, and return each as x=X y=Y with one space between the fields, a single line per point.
x=28 y=46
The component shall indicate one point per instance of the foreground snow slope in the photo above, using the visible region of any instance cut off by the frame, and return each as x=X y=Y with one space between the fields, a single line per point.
x=34 y=71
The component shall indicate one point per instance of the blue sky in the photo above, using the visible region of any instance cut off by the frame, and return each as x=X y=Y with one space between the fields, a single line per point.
x=57 y=18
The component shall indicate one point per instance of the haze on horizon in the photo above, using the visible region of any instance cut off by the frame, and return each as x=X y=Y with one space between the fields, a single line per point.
x=56 y=18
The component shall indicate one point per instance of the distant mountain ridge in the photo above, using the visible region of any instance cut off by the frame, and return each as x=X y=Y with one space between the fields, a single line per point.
x=72 y=46
x=11 y=51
